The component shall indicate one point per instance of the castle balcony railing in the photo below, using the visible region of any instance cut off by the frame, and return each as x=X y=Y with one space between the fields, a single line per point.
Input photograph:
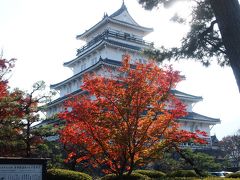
x=198 y=146
x=117 y=35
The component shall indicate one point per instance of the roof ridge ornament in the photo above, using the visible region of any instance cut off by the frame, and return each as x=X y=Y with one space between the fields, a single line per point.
x=123 y=4
x=105 y=15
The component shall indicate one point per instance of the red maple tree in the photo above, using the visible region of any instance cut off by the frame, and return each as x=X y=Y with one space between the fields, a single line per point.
x=7 y=108
x=18 y=111
x=5 y=67
x=124 y=118
x=10 y=113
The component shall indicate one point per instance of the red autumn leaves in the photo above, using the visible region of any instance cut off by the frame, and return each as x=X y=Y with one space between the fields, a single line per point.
x=124 y=117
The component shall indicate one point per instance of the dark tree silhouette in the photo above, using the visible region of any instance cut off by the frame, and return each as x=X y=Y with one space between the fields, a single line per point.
x=214 y=32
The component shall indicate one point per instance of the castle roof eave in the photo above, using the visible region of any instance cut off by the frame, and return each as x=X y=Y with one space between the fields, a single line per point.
x=100 y=23
x=66 y=64
x=146 y=30
x=101 y=61
x=195 y=117
x=57 y=85
x=62 y=99
x=83 y=36
x=185 y=96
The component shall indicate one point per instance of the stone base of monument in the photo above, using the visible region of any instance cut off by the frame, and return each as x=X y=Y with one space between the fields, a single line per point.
x=12 y=168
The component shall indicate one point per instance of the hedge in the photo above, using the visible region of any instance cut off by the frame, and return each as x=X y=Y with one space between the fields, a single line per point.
x=183 y=173
x=151 y=173
x=133 y=176
x=64 y=174
x=234 y=175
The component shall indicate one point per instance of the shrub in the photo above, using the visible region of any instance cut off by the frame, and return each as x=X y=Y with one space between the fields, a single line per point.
x=151 y=173
x=183 y=173
x=63 y=174
x=234 y=175
x=133 y=176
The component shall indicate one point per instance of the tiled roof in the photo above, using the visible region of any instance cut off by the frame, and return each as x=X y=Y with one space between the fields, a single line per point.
x=63 y=98
x=110 y=18
x=198 y=117
x=108 y=61
x=183 y=95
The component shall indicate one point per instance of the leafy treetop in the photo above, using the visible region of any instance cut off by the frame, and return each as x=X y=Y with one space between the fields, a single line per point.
x=123 y=119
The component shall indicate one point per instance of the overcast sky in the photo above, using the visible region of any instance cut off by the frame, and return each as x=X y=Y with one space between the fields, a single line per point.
x=41 y=35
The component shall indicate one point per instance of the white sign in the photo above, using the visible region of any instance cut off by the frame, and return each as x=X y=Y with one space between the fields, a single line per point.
x=20 y=172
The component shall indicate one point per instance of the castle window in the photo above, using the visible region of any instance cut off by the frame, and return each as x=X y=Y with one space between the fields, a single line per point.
x=83 y=66
x=69 y=88
x=94 y=61
x=127 y=35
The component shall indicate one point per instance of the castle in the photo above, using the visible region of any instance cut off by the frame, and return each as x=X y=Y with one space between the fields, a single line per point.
x=106 y=43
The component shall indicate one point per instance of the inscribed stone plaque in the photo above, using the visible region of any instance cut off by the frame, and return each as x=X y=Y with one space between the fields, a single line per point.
x=17 y=168
x=21 y=171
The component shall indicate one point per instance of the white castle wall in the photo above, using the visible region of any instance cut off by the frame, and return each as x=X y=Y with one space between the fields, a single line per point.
x=107 y=52
x=85 y=62
x=193 y=126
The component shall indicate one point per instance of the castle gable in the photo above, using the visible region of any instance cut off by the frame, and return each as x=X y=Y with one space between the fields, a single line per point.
x=121 y=19
x=123 y=15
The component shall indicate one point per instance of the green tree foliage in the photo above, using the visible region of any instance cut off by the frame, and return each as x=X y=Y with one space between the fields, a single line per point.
x=49 y=149
x=214 y=32
x=166 y=162
x=30 y=106
x=186 y=159
x=200 y=161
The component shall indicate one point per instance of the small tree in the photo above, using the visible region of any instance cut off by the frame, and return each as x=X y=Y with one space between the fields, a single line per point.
x=123 y=119
x=200 y=162
x=231 y=147
x=10 y=113
x=30 y=107
x=18 y=111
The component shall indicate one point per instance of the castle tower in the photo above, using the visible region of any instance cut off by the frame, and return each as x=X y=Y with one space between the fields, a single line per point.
x=106 y=43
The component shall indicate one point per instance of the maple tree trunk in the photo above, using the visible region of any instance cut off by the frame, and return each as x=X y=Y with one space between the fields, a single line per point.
x=227 y=13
